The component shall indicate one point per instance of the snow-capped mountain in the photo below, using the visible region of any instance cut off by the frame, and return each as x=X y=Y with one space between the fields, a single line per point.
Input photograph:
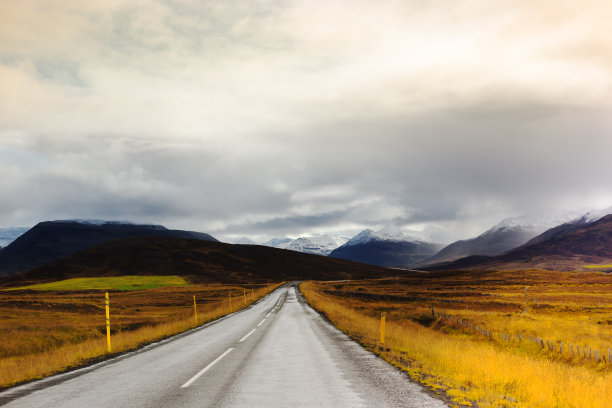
x=389 y=235
x=592 y=216
x=281 y=243
x=320 y=245
x=389 y=247
x=508 y=234
x=569 y=246
x=8 y=235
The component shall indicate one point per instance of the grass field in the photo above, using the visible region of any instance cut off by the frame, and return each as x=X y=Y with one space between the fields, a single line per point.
x=602 y=267
x=109 y=283
x=452 y=356
x=45 y=331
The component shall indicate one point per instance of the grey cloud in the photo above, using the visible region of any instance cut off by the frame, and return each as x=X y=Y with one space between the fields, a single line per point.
x=270 y=118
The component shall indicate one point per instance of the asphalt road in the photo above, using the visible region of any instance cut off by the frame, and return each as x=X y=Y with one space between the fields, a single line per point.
x=278 y=352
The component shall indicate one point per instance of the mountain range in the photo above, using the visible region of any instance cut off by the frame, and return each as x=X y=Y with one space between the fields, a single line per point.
x=504 y=236
x=584 y=241
x=519 y=242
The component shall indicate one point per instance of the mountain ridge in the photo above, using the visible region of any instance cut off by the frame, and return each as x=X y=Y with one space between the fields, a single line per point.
x=50 y=240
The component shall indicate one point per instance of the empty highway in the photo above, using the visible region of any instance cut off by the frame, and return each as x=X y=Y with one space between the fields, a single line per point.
x=276 y=353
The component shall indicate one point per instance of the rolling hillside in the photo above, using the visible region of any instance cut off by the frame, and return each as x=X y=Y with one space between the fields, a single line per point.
x=200 y=261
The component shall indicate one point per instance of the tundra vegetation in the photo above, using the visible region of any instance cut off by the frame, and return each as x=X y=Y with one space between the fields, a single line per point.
x=490 y=339
x=57 y=326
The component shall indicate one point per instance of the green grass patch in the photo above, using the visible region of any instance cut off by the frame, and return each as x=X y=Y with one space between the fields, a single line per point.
x=597 y=266
x=113 y=283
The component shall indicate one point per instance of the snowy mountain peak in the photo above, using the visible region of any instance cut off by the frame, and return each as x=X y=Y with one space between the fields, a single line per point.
x=533 y=222
x=593 y=215
x=281 y=243
x=320 y=245
x=385 y=234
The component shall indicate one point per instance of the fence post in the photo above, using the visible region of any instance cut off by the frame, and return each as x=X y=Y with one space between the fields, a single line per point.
x=230 y=301
x=244 y=293
x=108 y=340
x=382 y=328
x=195 y=311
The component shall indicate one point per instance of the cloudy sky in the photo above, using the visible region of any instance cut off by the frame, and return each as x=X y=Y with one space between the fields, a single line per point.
x=287 y=118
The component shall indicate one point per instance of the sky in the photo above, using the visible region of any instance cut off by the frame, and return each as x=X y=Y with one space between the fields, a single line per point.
x=281 y=118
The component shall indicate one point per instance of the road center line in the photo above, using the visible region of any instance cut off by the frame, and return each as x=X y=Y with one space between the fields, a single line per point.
x=260 y=323
x=245 y=337
x=205 y=369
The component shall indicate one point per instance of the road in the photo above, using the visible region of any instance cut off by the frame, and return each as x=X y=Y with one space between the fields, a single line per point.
x=278 y=352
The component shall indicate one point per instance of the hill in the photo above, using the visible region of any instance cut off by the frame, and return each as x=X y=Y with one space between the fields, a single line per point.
x=51 y=240
x=200 y=261
x=396 y=250
x=567 y=247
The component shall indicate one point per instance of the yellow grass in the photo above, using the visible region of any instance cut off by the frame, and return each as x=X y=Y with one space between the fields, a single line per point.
x=26 y=354
x=467 y=366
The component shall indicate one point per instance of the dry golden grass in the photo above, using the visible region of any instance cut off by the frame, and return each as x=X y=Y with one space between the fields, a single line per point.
x=42 y=333
x=471 y=367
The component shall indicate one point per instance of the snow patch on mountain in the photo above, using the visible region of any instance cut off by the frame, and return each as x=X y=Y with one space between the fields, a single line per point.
x=281 y=243
x=387 y=234
x=593 y=215
x=536 y=223
x=319 y=245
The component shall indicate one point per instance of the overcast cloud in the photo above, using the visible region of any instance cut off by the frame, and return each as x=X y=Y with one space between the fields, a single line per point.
x=274 y=118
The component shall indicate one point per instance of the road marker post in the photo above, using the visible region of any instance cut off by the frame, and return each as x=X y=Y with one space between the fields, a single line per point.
x=108 y=341
x=252 y=294
x=230 y=301
x=195 y=311
x=244 y=293
x=382 y=328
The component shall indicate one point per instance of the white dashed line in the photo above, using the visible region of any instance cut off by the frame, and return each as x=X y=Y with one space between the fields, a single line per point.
x=208 y=367
x=245 y=337
x=260 y=323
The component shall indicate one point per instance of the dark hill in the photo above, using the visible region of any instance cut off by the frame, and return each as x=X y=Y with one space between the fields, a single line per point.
x=51 y=240
x=201 y=261
x=566 y=247
x=391 y=254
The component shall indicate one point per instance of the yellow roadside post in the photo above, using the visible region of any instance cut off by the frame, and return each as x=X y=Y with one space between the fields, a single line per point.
x=252 y=294
x=230 y=300
x=108 y=342
x=244 y=293
x=195 y=311
x=382 y=328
